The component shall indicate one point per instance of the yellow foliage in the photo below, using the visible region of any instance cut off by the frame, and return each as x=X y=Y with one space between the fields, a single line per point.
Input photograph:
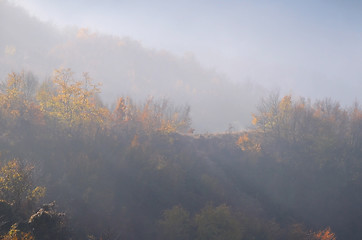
x=37 y=193
x=168 y=126
x=15 y=100
x=152 y=116
x=16 y=185
x=14 y=181
x=15 y=234
x=71 y=102
x=286 y=103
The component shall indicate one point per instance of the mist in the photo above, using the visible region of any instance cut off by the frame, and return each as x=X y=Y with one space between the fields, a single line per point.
x=230 y=52
x=126 y=68
x=180 y=120
x=297 y=47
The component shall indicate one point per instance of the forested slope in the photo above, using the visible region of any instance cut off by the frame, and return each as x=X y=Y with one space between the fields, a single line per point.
x=138 y=172
x=125 y=67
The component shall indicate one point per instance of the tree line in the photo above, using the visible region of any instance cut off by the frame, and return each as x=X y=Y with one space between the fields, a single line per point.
x=136 y=171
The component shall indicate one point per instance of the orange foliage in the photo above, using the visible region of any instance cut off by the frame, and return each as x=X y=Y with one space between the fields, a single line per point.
x=255 y=119
x=325 y=234
x=246 y=144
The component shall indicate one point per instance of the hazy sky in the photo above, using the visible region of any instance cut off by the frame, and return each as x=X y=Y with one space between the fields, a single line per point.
x=312 y=48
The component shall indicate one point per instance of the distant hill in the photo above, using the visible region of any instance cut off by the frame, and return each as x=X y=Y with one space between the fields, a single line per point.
x=124 y=67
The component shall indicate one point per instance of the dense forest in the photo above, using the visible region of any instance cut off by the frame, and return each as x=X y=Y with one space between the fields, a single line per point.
x=72 y=168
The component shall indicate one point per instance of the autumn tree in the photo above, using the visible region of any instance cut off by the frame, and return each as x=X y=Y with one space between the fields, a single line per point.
x=16 y=186
x=71 y=102
x=286 y=121
x=124 y=111
x=266 y=119
x=16 y=234
x=152 y=115
x=17 y=100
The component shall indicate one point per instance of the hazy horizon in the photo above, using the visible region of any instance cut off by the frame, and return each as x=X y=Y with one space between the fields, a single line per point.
x=310 y=48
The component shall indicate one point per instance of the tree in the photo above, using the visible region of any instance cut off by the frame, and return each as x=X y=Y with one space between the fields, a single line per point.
x=356 y=127
x=176 y=224
x=48 y=224
x=16 y=186
x=217 y=223
x=70 y=102
x=265 y=120
x=17 y=99
x=16 y=234
x=152 y=116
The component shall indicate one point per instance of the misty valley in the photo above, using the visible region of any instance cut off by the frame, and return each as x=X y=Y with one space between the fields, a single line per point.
x=75 y=169
x=103 y=137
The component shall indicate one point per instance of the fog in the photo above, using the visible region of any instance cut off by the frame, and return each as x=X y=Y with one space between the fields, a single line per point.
x=126 y=68
x=218 y=58
x=234 y=120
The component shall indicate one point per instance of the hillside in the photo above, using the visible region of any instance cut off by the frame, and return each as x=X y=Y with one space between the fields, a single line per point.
x=102 y=138
x=124 y=67
x=136 y=173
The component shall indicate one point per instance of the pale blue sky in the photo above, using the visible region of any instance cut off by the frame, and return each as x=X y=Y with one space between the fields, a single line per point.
x=312 y=48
